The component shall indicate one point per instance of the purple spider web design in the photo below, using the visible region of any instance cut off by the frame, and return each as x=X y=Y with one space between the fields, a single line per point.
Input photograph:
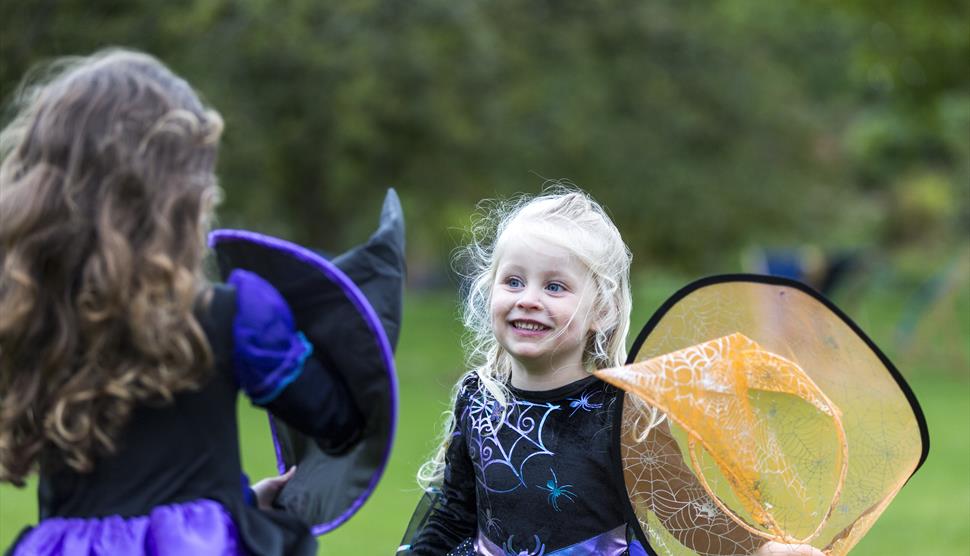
x=525 y=420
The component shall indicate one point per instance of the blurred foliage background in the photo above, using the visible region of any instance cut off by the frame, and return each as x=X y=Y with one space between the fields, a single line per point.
x=704 y=127
x=722 y=136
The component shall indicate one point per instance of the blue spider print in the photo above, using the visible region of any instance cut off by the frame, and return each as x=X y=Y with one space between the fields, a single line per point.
x=582 y=402
x=510 y=549
x=556 y=490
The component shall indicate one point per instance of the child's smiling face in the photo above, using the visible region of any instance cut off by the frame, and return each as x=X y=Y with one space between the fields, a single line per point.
x=540 y=305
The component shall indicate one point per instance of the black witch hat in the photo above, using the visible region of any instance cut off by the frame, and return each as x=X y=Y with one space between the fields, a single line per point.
x=349 y=308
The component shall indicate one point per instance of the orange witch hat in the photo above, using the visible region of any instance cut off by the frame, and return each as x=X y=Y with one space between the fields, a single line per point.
x=783 y=421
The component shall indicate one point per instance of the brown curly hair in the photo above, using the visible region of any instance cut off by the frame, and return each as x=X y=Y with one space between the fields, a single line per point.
x=107 y=185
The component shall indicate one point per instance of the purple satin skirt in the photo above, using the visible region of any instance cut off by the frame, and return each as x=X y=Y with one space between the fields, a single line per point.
x=610 y=543
x=191 y=528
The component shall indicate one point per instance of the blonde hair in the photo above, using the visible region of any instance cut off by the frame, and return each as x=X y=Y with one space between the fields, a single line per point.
x=572 y=220
x=106 y=187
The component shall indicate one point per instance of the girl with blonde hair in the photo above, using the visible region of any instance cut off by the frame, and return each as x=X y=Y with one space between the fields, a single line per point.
x=527 y=464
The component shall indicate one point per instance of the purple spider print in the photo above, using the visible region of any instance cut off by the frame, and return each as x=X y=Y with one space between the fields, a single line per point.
x=510 y=549
x=582 y=402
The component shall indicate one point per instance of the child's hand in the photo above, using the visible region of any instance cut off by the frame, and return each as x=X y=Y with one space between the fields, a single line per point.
x=267 y=489
x=780 y=549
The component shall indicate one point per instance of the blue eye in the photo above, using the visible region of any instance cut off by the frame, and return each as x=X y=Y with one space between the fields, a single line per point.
x=555 y=287
x=513 y=282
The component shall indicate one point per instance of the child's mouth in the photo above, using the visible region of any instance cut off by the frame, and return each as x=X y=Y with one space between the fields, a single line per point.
x=529 y=326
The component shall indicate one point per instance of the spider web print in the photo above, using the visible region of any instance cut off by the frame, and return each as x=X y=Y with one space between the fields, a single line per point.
x=525 y=420
x=704 y=389
x=673 y=509
x=783 y=424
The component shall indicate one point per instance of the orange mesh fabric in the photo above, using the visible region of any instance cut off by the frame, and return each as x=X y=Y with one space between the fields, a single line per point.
x=783 y=423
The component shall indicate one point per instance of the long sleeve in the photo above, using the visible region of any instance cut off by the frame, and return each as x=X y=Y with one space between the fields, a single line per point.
x=453 y=515
x=275 y=365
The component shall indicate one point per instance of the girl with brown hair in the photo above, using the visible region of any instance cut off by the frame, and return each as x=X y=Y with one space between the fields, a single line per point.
x=119 y=362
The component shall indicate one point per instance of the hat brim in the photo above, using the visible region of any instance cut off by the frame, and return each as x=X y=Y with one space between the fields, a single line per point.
x=883 y=425
x=350 y=310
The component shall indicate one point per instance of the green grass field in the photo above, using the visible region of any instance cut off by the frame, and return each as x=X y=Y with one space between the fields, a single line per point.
x=930 y=516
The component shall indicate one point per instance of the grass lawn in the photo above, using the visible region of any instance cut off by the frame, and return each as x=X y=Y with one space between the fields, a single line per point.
x=930 y=516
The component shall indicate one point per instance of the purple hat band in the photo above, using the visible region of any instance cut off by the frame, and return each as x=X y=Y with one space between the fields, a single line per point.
x=365 y=309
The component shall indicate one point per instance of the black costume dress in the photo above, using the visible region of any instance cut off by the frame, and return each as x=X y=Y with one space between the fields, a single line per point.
x=539 y=479
x=174 y=485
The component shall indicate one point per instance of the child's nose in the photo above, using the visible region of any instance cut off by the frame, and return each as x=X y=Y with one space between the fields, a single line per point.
x=528 y=299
